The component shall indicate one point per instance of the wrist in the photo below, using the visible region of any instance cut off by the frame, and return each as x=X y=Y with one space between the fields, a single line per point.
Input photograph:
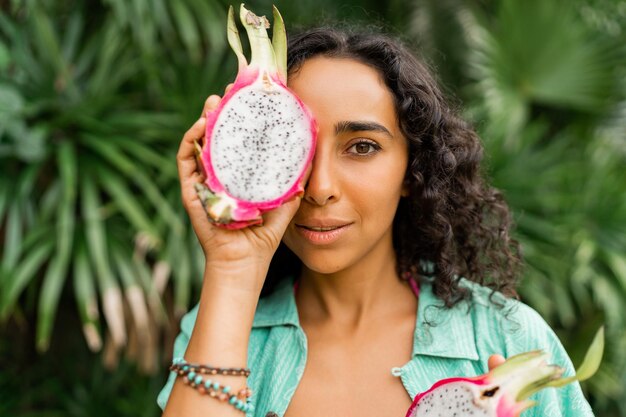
x=223 y=324
x=243 y=278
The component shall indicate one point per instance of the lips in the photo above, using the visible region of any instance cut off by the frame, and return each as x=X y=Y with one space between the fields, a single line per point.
x=322 y=232
x=320 y=229
x=322 y=225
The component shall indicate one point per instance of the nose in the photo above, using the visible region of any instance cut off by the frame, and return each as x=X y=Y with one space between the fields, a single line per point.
x=322 y=186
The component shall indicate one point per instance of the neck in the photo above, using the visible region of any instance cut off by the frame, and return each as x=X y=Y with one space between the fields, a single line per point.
x=365 y=292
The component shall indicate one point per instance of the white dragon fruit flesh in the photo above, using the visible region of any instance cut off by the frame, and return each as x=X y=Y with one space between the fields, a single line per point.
x=502 y=392
x=261 y=138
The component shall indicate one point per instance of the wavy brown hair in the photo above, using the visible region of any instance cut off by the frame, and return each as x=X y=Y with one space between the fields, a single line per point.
x=452 y=219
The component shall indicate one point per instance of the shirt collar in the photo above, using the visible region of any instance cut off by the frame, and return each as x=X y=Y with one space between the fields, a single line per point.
x=278 y=308
x=441 y=332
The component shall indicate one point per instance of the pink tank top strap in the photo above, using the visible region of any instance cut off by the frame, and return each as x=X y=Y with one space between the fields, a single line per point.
x=414 y=286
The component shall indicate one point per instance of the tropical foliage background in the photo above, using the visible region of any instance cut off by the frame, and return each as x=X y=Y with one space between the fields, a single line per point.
x=98 y=261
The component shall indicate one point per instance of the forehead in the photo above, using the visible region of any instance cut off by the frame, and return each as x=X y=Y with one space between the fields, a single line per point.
x=343 y=89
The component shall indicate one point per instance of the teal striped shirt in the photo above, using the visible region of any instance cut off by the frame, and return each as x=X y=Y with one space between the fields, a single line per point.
x=447 y=342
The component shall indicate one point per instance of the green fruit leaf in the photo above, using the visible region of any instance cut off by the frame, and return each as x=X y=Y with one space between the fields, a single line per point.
x=279 y=43
x=590 y=364
x=234 y=40
x=593 y=357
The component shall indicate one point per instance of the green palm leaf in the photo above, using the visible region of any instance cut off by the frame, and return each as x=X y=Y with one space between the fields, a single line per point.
x=538 y=53
x=57 y=270
x=97 y=244
x=86 y=297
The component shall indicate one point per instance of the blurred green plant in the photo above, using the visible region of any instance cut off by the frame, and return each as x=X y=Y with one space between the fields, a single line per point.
x=92 y=112
x=67 y=381
x=545 y=82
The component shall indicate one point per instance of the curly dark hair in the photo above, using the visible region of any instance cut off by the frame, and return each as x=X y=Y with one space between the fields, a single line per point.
x=452 y=219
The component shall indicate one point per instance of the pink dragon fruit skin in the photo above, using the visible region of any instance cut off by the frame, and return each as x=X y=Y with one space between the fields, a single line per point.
x=503 y=391
x=234 y=128
x=492 y=394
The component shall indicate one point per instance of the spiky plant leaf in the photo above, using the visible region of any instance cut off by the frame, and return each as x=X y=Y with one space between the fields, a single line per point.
x=86 y=297
x=58 y=268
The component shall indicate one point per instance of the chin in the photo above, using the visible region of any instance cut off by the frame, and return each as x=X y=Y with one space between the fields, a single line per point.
x=323 y=270
x=326 y=264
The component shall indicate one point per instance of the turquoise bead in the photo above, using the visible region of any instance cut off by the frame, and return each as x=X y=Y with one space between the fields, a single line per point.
x=239 y=404
x=191 y=375
x=226 y=389
x=198 y=380
x=208 y=384
x=186 y=368
x=232 y=400
x=216 y=385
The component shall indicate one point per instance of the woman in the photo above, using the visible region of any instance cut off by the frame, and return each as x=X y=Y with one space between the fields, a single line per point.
x=362 y=303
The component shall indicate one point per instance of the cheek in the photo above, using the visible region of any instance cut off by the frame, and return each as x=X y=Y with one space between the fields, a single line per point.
x=376 y=190
x=380 y=203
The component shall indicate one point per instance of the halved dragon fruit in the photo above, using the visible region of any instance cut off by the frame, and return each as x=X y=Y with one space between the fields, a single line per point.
x=502 y=392
x=261 y=138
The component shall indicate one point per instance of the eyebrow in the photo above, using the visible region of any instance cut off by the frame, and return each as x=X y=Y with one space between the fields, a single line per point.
x=360 y=126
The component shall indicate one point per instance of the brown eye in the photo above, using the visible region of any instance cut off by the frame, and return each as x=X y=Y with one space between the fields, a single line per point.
x=364 y=148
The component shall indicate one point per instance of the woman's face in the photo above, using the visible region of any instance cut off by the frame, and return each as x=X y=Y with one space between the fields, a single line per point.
x=358 y=170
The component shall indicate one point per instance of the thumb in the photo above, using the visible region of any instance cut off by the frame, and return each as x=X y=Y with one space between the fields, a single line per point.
x=279 y=218
x=495 y=361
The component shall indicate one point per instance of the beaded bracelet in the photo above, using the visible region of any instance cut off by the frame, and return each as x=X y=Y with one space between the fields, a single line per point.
x=214 y=389
x=180 y=364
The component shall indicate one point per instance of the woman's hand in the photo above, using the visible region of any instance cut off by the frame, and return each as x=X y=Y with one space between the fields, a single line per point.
x=493 y=362
x=227 y=250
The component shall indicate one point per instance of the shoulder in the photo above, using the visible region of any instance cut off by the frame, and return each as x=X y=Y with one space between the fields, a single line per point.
x=486 y=322
x=509 y=324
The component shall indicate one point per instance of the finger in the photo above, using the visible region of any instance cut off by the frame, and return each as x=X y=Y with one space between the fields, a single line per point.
x=495 y=361
x=192 y=203
x=188 y=189
x=186 y=156
x=198 y=176
x=228 y=88
x=278 y=219
x=210 y=104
